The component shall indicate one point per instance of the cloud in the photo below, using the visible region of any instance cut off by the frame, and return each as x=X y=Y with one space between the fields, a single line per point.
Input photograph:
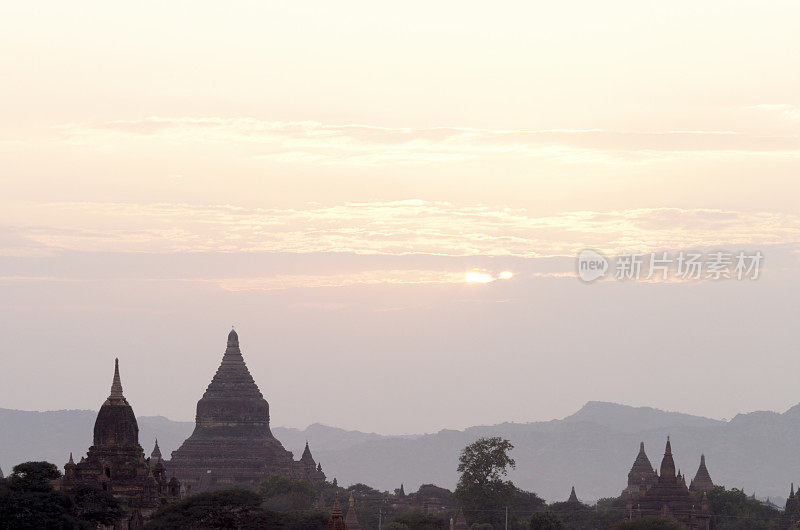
x=381 y=228
x=366 y=145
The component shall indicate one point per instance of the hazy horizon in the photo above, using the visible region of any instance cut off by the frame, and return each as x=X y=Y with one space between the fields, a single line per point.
x=388 y=205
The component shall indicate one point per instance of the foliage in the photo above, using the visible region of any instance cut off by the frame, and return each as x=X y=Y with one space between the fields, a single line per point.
x=28 y=500
x=305 y=520
x=283 y=494
x=95 y=506
x=647 y=523
x=238 y=509
x=574 y=514
x=443 y=495
x=33 y=476
x=732 y=510
x=545 y=520
x=481 y=488
x=523 y=503
x=420 y=521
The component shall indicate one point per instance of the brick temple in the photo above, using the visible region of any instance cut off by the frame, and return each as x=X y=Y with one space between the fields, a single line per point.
x=116 y=463
x=232 y=444
x=668 y=497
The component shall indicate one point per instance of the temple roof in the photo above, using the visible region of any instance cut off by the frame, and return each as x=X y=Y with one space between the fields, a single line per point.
x=232 y=377
x=667 y=465
x=572 y=496
x=336 y=521
x=702 y=479
x=642 y=469
x=307 y=458
x=116 y=423
x=351 y=520
x=156 y=451
x=116 y=397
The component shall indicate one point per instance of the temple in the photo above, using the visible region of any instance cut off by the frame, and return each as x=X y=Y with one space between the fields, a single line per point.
x=350 y=520
x=702 y=480
x=232 y=444
x=572 y=496
x=115 y=462
x=790 y=518
x=336 y=520
x=641 y=477
x=669 y=498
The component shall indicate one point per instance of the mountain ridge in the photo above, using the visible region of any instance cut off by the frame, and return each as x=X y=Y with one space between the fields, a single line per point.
x=591 y=449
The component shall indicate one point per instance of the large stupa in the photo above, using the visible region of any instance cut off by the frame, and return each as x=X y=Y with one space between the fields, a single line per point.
x=232 y=444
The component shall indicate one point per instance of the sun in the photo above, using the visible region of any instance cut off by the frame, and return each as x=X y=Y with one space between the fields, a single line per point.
x=475 y=276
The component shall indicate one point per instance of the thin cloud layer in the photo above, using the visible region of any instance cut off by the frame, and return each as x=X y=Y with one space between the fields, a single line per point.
x=381 y=228
x=367 y=145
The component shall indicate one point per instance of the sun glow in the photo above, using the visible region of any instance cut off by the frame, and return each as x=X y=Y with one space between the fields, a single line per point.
x=478 y=277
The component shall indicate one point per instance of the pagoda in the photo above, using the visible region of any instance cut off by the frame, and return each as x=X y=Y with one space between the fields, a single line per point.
x=115 y=462
x=669 y=498
x=232 y=444
x=641 y=477
x=702 y=479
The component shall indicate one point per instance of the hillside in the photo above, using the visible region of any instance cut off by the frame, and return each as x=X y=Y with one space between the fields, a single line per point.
x=591 y=449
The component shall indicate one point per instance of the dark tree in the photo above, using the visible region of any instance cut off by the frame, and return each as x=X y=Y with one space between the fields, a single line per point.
x=648 y=523
x=33 y=476
x=481 y=489
x=545 y=520
x=733 y=509
x=282 y=494
x=420 y=521
x=93 y=505
x=237 y=509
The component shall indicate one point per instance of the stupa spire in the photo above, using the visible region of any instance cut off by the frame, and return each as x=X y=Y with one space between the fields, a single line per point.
x=351 y=521
x=702 y=479
x=572 y=496
x=116 y=397
x=667 y=465
x=156 y=451
x=336 y=521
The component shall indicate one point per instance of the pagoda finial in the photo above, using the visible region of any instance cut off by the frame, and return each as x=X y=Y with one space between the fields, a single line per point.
x=71 y=461
x=337 y=508
x=156 y=451
x=572 y=496
x=116 y=385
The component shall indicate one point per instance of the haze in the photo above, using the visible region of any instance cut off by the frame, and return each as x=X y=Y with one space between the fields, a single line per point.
x=327 y=177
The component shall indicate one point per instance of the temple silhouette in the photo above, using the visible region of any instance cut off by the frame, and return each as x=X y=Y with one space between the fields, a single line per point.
x=232 y=444
x=116 y=463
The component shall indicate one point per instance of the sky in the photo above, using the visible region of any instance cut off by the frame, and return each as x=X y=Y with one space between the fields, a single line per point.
x=387 y=202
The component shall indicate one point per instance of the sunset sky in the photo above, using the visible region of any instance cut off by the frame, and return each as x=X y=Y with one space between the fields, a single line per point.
x=327 y=176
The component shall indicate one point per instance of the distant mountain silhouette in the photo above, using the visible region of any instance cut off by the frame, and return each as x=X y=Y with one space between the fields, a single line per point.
x=592 y=449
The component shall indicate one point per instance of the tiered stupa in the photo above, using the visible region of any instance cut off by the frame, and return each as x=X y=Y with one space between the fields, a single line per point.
x=641 y=477
x=702 y=479
x=232 y=444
